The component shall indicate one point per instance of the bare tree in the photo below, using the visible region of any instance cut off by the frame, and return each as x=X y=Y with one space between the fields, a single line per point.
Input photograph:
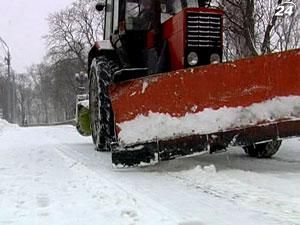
x=73 y=31
x=239 y=28
x=24 y=96
x=43 y=89
x=65 y=86
x=4 y=84
x=286 y=33
x=251 y=28
x=55 y=90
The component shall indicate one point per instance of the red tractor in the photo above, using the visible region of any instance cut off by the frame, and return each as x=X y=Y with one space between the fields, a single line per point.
x=156 y=62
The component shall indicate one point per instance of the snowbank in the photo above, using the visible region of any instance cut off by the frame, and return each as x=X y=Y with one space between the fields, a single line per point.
x=5 y=125
x=148 y=128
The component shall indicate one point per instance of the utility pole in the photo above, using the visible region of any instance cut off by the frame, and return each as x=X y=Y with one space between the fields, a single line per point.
x=11 y=84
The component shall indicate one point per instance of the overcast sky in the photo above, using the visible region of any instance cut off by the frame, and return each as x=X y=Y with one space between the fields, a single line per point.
x=22 y=25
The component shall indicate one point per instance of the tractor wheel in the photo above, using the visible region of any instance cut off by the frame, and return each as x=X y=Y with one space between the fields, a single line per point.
x=102 y=121
x=264 y=150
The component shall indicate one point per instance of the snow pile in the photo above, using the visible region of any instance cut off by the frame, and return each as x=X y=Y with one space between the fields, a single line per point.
x=5 y=125
x=198 y=170
x=84 y=103
x=149 y=128
x=201 y=175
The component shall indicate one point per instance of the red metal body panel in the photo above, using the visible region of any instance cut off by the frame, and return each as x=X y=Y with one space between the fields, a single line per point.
x=174 y=30
x=239 y=83
x=205 y=10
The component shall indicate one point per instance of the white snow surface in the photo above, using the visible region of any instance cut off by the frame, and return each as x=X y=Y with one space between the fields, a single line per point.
x=163 y=126
x=4 y=125
x=85 y=103
x=52 y=175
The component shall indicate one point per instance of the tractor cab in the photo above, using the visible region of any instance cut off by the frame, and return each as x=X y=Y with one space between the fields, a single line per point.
x=138 y=14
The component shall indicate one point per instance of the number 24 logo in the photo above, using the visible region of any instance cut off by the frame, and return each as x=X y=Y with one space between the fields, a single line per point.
x=285 y=8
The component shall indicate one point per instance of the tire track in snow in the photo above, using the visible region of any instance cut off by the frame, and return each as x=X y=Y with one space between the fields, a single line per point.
x=134 y=202
x=264 y=213
x=145 y=192
x=276 y=205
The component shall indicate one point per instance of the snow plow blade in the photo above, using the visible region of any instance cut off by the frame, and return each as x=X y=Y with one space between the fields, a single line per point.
x=206 y=108
x=162 y=150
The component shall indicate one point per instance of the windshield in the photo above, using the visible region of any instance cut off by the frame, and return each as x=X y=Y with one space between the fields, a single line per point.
x=175 y=6
x=192 y=3
x=136 y=7
x=132 y=9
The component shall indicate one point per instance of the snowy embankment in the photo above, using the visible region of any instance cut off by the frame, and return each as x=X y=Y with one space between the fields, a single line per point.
x=51 y=175
x=158 y=125
x=4 y=125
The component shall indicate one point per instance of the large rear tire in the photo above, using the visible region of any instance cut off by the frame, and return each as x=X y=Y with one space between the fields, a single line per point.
x=264 y=150
x=102 y=121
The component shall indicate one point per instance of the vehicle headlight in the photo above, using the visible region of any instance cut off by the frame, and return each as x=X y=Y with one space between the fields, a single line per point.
x=215 y=58
x=192 y=59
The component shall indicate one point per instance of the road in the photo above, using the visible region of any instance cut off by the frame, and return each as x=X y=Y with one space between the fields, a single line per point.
x=51 y=175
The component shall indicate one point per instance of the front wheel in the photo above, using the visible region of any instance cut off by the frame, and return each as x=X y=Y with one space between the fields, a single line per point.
x=263 y=150
x=102 y=122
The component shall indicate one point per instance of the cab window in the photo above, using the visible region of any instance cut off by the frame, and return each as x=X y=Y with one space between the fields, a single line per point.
x=108 y=19
x=192 y=4
x=132 y=9
x=171 y=6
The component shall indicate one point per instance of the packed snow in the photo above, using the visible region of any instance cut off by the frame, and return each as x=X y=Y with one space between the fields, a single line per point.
x=51 y=175
x=145 y=128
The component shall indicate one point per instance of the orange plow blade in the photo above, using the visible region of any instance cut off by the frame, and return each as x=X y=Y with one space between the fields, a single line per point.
x=183 y=112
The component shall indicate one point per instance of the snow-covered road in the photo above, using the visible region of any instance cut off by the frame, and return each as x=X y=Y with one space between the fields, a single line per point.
x=52 y=176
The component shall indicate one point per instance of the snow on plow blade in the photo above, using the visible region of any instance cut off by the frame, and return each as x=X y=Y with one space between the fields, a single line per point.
x=206 y=108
